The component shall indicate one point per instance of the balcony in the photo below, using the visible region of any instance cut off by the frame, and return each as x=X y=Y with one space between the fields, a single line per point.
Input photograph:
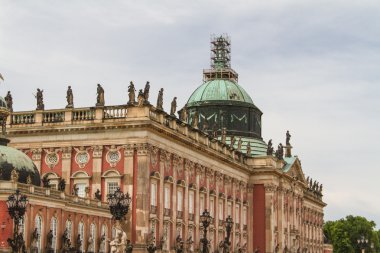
x=167 y=212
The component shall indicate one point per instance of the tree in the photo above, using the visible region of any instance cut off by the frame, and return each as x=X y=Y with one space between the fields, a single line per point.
x=344 y=233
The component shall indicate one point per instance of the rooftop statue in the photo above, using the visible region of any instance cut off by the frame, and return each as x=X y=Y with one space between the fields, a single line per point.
x=270 y=148
x=280 y=152
x=146 y=92
x=195 y=119
x=183 y=114
x=69 y=98
x=131 y=93
x=239 y=144
x=100 y=96
x=140 y=99
x=98 y=195
x=40 y=99
x=9 y=100
x=61 y=184
x=249 y=148
x=205 y=125
x=288 y=138
x=173 y=106
x=160 y=100
x=232 y=141
x=224 y=135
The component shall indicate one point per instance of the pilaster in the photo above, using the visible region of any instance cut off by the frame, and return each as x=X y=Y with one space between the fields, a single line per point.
x=66 y=167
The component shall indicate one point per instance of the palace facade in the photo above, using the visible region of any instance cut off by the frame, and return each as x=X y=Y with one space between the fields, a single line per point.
x=211 y=156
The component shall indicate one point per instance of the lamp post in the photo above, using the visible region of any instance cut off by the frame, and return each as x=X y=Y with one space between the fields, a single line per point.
x=362 y=243
x=119 y=203
x=226 y=242
x=205 y=219
x=16 y=204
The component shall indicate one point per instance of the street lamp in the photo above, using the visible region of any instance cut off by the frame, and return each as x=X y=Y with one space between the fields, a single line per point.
x=362 y=243
x=16 y=204
x=119 y=203
x=226 y=242
x=205 y=219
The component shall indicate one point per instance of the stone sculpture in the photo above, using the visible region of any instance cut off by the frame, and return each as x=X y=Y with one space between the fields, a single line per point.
x=100 y=96
x=131 y=93
x=173 y=107
x=69 y=98
x=160 y=99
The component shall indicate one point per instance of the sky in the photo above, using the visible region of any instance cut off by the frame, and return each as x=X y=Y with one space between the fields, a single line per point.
x=312 y=67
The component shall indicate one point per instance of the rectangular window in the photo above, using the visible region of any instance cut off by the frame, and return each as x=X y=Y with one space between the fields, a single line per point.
x=212 y=207
x=81 y=189
x=153 y=194
x=191 y=202
x=244 y=216
x=201 y=203
x=229 y=209
x=179 y=200
x=167 y=197
x=112 y=187
x=221 y=210
x=237 y=214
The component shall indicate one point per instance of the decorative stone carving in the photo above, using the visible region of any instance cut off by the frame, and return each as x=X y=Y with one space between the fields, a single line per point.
x=51 y=158
x=128 y=150
x=14 y=176
x=97 y=151
x=113 y=155
x=66 y=152
x=153 y=153
x=270 y=188
x=36 y=154
x=142 y=148
x=82 y=156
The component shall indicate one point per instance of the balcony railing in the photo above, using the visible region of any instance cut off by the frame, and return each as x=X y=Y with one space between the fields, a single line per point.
x=53 y=117
x=23 y=118
x=83 y=114
x=115 y=112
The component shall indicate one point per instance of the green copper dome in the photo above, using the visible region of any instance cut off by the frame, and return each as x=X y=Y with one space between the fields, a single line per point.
x=219 y=90
x=13 y=159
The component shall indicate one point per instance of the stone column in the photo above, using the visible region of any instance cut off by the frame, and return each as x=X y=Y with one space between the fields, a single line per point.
x=97 y=155
x=66 y=167
x=127 y=181
x=161 y=196
x=141 y=192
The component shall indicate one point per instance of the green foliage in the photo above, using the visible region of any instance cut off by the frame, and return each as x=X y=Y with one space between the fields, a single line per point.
x=344 y=233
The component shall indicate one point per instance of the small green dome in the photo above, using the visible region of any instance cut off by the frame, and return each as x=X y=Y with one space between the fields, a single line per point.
x=219 y=90
x=13 y=159
x=3 y=103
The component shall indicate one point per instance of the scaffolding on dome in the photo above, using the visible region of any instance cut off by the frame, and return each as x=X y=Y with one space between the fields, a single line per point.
x=220 y=60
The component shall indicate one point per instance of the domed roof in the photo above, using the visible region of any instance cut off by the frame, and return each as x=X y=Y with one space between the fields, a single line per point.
x=219 y=90
x=13 y=159
x=3 y=103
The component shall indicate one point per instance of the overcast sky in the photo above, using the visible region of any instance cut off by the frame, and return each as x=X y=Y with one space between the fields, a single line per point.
x=312 y=67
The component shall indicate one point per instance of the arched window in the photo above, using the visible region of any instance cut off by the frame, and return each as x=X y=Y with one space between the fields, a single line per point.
x=53 y=227
x=93 y=236
x=103 y=234
x=38 y=225
x=81 y=181
x=69 y=228
x=81 y=234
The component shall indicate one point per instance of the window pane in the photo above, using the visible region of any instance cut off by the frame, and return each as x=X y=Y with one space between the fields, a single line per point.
x=81 y=190
x=179 y=200
x=201 y=204
x=221 y=210
x=167 y=198
x=153 y=194
x=112 y=187
x=191 y=202
x=53 y=227
x=212 y=207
